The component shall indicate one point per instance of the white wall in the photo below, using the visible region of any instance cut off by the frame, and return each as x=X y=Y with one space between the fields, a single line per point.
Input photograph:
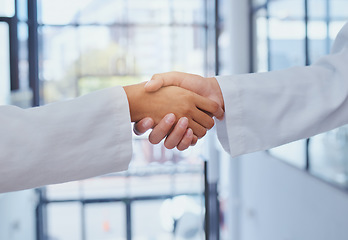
x=280 y=202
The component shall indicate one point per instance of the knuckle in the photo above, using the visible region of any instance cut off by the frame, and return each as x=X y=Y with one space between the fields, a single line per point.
x=202 y=133
x=156 y=76
x=211 y=123
x=215 y=106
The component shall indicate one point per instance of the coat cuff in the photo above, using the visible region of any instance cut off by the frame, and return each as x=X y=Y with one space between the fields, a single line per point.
x=230 y=129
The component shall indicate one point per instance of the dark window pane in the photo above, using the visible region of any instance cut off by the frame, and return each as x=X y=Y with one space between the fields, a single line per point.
x=329 y=158
x=258 y=2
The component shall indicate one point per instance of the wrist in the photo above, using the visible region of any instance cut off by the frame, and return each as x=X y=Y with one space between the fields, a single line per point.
x=134 y=96
x=215 y=86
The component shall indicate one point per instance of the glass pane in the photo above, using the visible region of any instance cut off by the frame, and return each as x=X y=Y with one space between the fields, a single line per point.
x=7 y=8
x=165 y=49
x=335 y=27
x=22 y=10
x=190 y=182
x=338 y=9
x=319 y=44
x=4 y=64
x=105 y=221
x=317 y=9
x=286 y=43
x=257 y=3
x=145 y=12
x=188 y=11
x=181 y=217
x=287 y=9
x=293 y=153
x=70 y=190
x=59 y=51
x=103 y=12
x=64 y=221
x=329 y=156
x=23 y=96
x=261 y=41
x=60 y=12
x=110 y=186
x=103 y=52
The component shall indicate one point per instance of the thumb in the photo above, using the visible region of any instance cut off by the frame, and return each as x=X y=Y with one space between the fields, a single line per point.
x=165 y=79
x=153 y=85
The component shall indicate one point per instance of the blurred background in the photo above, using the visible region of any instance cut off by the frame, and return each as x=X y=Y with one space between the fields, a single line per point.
x=57 y=50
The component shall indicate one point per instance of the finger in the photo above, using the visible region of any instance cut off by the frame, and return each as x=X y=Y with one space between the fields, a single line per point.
x=209 y=106
x=194 y=140
x=143 y=125
x=154 y=84
x=197 y=129
x=186 y=140
x=165 y=79
x=162 y=128
x=203 y=119
x=177 y=134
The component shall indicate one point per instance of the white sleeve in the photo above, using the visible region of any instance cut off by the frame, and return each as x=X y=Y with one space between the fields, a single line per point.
x=65 y=141
x=264 y=110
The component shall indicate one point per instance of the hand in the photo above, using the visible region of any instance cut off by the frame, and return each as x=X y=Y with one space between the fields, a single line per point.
x=182 y=137
x=179 y=101
x=207 y=87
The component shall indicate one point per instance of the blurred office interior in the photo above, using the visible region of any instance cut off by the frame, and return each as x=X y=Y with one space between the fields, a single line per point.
x=57 y=50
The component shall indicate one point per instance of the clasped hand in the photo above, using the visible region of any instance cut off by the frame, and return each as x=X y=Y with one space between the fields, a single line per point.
x=178 y=106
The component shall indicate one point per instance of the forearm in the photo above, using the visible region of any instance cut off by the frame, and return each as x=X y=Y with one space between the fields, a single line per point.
x=264 y=110
x=271 y=109
x=65 y=141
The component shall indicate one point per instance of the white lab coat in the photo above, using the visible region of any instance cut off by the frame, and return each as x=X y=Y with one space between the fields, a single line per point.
x=265 y=110
x=65 y=141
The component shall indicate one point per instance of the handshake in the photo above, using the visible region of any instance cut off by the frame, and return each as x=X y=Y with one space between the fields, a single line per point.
x=178 y=106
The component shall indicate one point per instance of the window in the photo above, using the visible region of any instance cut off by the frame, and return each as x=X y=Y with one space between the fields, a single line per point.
x=88 y=45
x=290 y=33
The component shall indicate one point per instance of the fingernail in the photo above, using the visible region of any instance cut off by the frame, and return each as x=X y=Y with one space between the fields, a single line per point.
x=183 y=122
x=149 y=83
x=148 y=123
x=170 y=118
x=189 y=132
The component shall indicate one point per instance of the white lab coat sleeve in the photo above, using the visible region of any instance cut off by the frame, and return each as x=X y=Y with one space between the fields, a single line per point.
x=264 y=110
x=65 y=141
